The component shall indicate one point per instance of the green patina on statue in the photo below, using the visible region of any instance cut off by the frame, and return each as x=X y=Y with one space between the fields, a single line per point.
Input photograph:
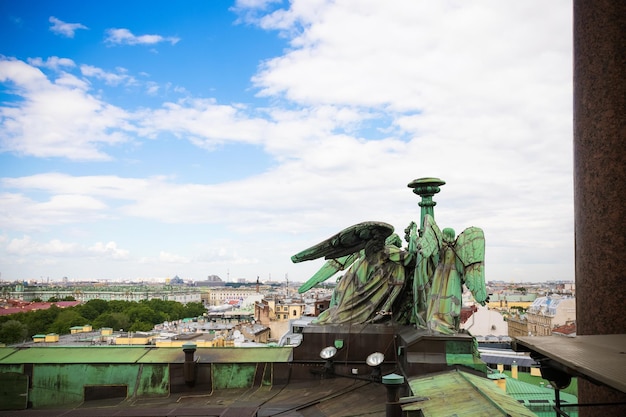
x=421 y=284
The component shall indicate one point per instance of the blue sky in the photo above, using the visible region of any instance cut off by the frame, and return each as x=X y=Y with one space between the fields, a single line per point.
x=147 y=139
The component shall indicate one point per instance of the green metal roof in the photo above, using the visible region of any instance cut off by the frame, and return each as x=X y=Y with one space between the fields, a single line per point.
x=457 y=390
x=6 y=351
x=524 y=391
x=82 y=354
x=539 y=399
x=141 y=354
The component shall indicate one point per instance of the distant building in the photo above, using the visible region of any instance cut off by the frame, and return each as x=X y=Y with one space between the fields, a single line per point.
x=517 y=325
x=321 y=305
x=211 y=281
x=255 y=333
x=505 y=301
x=485 y=322
x=176 y=281
x=568 y=330
x=122 y=292
x=218 y=296
x=545 y=313
x=277 y=313
x=277 y=310
x=18 y=306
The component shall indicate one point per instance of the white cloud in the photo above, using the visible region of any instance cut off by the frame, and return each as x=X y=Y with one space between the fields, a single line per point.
x=172 y=258
x=26 y=250
x=25 y=246
x=23 y=213
x=58 y=119
x=205 y=119
x=434 y=56
x=64 y=29
x=52 y=62
x=109 y=250
x=110 y=78
x=120 y=36
x=152 y=88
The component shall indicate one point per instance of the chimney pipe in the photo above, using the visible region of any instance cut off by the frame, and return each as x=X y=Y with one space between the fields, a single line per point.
x=189 y=370
x=393 y=382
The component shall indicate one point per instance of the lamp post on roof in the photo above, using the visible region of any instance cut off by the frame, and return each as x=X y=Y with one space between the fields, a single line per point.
x=426 y=188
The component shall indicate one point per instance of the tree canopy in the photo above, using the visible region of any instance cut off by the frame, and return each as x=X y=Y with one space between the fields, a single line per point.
x=128 y=315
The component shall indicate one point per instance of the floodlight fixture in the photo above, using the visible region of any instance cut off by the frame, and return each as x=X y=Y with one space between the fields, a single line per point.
x=375 y=359
x=328 y=352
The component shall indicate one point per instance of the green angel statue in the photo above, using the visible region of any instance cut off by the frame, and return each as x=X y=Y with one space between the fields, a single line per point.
x=375 y=273
x=376 y=285
x=444 y=264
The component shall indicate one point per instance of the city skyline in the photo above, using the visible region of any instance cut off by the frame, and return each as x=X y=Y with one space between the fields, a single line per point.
x=220 y=138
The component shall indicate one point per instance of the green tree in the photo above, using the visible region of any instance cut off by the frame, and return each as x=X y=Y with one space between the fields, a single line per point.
x=88 y=312
x=177 y=311
x=143 y=313
x=171 y=310
x=12 y=332
x=118 y=306
x=141 y=326
x=115 y=321
x=65 y=320
x=116 y=314
x=194 y=309
x=100 y=306
x=39 y=321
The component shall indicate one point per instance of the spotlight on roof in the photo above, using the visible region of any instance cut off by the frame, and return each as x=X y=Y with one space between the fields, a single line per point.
x=375 y=360
x=328 y=353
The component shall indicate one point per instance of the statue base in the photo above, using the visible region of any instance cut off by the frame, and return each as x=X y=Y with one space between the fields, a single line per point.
x=414 y=352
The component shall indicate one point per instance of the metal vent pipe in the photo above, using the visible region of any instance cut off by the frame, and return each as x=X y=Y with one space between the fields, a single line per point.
x=189 y=370
x=393 y=382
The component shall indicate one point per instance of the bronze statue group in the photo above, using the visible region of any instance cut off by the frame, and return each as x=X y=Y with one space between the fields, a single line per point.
x=420 y=284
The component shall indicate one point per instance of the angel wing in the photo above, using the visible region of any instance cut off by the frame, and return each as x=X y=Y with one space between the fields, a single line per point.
x=470 y=251
x=367 y=235
x=430 y=241
x=343 y=249
x=329 y=269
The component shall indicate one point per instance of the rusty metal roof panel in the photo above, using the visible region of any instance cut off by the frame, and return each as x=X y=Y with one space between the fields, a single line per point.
x=600 y=358
x=245 y=355
x=220 y=355
x=163 y=355
x=336 y=397
x=455 y=390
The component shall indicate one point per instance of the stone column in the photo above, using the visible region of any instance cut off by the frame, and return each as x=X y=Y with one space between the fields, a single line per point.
x=600 y=179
